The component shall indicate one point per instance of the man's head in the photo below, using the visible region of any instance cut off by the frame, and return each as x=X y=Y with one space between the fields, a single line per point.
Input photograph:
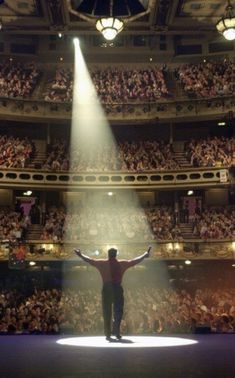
x=112 y=252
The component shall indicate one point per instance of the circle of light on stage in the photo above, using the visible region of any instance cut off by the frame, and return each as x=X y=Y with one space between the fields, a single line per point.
x=127 y=342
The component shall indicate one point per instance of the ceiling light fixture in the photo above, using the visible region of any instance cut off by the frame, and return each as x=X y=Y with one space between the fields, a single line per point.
x=226 y=25
x=109 y=27
x=108 y=16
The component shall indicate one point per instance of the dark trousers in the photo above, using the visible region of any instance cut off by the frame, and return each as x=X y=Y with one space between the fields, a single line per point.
x=112 y=303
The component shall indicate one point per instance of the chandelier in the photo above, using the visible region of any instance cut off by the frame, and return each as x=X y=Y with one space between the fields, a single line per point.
x=109 y=16
x=109 y=27
x=226 y=25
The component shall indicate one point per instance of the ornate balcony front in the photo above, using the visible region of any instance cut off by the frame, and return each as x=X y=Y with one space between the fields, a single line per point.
x=171 y=110
x=200 y=177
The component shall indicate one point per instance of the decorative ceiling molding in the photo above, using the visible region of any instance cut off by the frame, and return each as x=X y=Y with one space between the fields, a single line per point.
x=168 y=16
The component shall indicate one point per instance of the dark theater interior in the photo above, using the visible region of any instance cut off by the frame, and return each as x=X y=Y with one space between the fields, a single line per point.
x=117 y=188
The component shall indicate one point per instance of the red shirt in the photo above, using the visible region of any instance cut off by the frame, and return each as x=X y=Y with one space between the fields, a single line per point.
x=112 y=270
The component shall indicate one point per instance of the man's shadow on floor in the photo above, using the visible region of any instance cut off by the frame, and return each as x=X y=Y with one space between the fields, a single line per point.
x=121 y=341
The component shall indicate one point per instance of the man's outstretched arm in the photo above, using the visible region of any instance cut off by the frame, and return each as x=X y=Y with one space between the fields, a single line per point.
x=84 y=257
x=138 y=259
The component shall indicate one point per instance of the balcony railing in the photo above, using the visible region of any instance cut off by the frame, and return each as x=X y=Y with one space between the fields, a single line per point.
x=163 y=179
x=166 y=250
x=164 y=109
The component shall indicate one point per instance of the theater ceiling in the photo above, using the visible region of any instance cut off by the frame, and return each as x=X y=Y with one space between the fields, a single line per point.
x=165 y=16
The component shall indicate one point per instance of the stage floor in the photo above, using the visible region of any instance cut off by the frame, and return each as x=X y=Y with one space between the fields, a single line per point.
x=178 y=356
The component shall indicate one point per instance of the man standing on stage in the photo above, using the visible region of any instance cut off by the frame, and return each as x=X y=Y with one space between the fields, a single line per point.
x=112 y=271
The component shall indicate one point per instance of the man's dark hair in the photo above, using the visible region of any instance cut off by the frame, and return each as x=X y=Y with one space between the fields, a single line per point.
x=112 y=252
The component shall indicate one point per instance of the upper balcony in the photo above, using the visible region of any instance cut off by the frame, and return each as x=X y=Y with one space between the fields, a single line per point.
x=131 y=94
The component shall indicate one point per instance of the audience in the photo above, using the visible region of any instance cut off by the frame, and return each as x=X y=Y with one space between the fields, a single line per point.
x=128 y=223
x=215 y=223
x=18 y=79
x=112 y=85
x=211 y=152
x=140 y=156
x=147 y=311
x=115 y=85
x=57 y=156
x=116 y=223
x=15 y=152
x=136 y=156
x=13 y=225
x=119 y=223
x=60 y=88
x=207 y=79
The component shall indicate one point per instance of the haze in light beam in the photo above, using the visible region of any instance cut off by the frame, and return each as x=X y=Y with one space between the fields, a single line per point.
x=101 y=219
x=90 y=129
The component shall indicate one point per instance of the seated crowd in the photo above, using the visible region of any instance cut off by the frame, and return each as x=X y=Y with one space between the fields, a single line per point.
x=207 y=79
x=13 y=225
x=112 y=85
x=110 y=223
x=60 y=87
x=211 y=152
x=153 y=223
x=147 y=311
x=215 y=223
x=140 y=156
x=118 y=223
x=15 y=152
x=18 y=79
x=115 y=85
x=136 y=156
x=133 y=156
